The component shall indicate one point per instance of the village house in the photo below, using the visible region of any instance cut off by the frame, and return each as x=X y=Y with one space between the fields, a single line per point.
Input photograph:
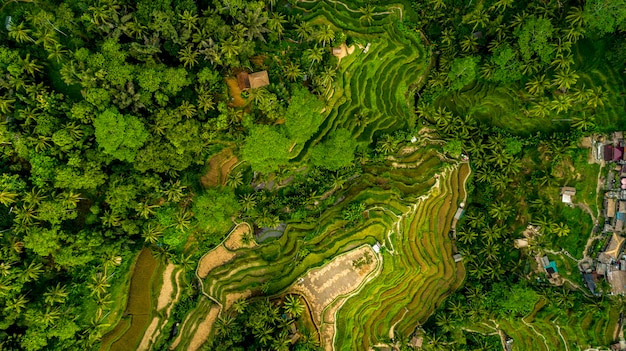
x=613 y=249
x=567 y=192
x=610 y=207
x=254 y=80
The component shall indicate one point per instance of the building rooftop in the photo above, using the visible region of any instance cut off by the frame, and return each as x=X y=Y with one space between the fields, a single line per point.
x=617 y=279
x=610 y=207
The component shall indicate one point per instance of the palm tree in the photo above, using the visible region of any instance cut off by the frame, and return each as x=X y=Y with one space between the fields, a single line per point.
x=595 y=97
x=224 y=324
x=469 y=43
x=189 y=20
x=479 y=18
x=175 y=191
x=151 y=233
x=188 y=56
x=564 y=79
x=501 y=5
x=98 y=284
x=538 y=85
x=235 y=180
x=314 y=54
x=275 y=23
x=292 y=71
x=500 y=210
x=50 y=315
x=183 y=220
x=467 y=236
x=293 y=306
x=230 y=47
x=325 y=34
x=305 y=30
x=111 y=219
x=368 y=12
x=562 y=103
x=7 y=196
x=563 y=62
x=253 y=19
x=240 y=305
x=57 y=53
x=247 y=202
x=16 y=304
x=28 y=65
x=575 y=17
x=387 y=145
x=32 y=272
x=584 y=121
x=560 y=229
x=19 y=33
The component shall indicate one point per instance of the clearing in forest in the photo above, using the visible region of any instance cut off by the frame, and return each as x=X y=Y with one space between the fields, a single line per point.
x=219 y=166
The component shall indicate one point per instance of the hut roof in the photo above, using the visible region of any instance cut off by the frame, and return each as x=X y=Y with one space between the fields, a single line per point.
x=259 y=79
x=615 y=245
x=610 y=207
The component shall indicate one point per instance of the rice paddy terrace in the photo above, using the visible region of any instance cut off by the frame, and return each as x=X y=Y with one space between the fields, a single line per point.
x=371 y=89
x=409 y=204
x=546 y=329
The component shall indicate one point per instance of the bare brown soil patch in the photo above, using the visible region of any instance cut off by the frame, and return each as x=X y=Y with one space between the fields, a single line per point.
x=321 y=286
x=222 y=253
x=215 y=258
x=167 y=288
x=149 y=335
x=232 y=297
x=204 y=329
x=219 y=167
x=235 y=238
x=235 y=93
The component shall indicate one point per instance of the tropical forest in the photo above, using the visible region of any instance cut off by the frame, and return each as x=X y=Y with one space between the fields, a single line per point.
x=308 y=175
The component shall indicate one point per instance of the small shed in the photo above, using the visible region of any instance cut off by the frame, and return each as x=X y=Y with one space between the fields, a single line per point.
x=551 y=268
x=254 y=80
x=416 y=342
x=545 y=261
x=459 y=213
x=376 y=247
x=567 y=192
x=457 y=257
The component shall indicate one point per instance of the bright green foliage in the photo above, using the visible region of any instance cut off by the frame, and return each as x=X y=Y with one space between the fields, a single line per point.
x=518 y=300
x=462 y=72
x=534 y=39
x=214 y=209
x=303 y=116
x=266 y=149
x=605 y=16
x=336 y=152
x=508 y=65
x=119 y=135
x=453 y=148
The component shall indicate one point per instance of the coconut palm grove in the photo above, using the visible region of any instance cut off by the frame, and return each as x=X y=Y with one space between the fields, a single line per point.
x=310 y=175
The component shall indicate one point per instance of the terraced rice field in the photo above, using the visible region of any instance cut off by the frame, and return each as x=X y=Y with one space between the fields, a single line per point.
x=550 y=332
x=372 y=83
x=415 y=277
x=128 y=333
